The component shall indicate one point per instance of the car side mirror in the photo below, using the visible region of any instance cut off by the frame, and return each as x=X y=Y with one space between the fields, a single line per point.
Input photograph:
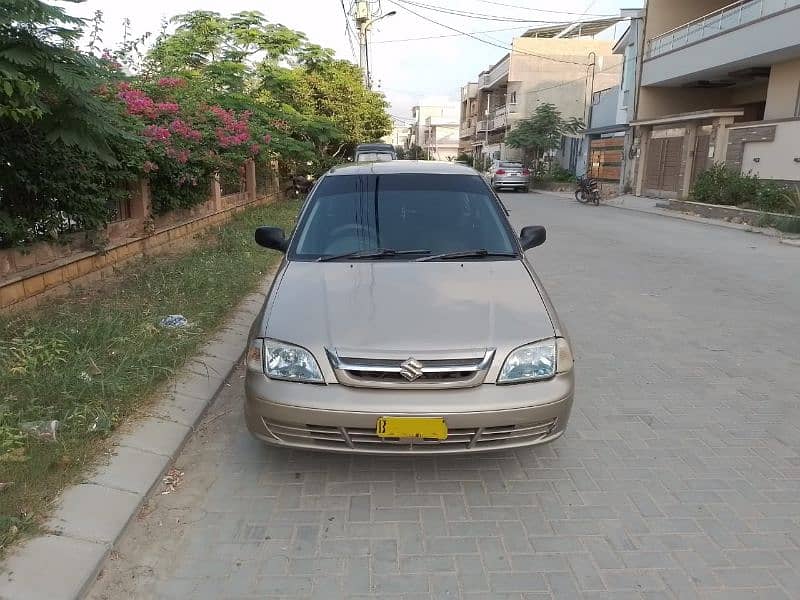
x=272 y=237
x=532 y=236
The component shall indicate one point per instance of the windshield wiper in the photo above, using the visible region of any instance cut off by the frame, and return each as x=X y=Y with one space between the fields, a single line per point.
x=480 y=253
x=371 y=254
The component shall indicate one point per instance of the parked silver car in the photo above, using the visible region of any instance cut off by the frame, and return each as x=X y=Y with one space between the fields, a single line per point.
x=405 y=318
x=509 y=176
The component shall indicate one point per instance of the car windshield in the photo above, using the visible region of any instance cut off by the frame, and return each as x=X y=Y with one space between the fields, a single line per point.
x=432 y=214
x=374 y=157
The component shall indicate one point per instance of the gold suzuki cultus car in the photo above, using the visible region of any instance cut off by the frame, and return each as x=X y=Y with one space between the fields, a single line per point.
x=406 y=319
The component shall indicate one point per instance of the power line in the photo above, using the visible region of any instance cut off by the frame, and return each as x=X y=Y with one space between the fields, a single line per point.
x=541 y=10
x=570 y=82
x=488 y=42
x=448 y=35
x=470 y=14
x=348 y=29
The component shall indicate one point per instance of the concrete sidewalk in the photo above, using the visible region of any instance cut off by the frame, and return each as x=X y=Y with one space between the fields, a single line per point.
x=650 y=206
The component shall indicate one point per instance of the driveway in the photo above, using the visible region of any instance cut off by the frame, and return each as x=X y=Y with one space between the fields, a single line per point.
x=679 y=476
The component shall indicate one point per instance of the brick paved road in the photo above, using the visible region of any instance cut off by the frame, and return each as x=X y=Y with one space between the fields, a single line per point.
x=678 y=478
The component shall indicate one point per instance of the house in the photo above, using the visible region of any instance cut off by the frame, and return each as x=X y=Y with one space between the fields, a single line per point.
x=468 y=118
x=552 y=64
x=399 y=134
x=440 y=139
x=605 y=154
x=441 y=110
x=719 y=83
x=604 y=142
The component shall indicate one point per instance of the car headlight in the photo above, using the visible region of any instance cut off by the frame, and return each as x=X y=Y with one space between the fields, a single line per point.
x=279 y=360
x=538 y=361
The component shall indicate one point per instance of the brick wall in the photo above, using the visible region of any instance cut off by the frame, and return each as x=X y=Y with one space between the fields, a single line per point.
x=738 y=137
x=27 y=275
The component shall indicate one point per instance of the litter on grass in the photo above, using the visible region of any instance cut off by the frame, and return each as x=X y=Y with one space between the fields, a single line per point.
x=174 y=322
x=44 y=430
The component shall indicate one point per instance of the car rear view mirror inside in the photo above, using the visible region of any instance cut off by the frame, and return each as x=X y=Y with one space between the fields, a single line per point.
x=272 y=237
x=532 y=236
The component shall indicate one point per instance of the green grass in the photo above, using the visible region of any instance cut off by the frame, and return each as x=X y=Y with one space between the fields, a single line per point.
x=93 y=359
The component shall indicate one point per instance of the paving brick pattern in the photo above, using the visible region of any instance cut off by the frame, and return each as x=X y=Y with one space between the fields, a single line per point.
x=679 y=476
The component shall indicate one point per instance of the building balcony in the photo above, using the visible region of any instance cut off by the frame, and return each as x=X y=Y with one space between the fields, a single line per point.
x=496 y=76
x=742 y=35
x=466 y=131
x=469 y=91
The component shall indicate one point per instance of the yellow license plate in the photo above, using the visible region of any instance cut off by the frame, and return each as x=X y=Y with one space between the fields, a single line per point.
x=432 y=428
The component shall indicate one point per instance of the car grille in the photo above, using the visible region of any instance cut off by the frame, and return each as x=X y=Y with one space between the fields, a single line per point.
x=433 y=374
x=324 y=436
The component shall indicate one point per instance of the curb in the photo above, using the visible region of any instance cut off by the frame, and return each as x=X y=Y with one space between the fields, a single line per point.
x=92 y=516
x=773 y=233
x=662 y=212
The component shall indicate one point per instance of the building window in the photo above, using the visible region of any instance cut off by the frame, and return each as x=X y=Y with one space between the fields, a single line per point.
x=512 y=98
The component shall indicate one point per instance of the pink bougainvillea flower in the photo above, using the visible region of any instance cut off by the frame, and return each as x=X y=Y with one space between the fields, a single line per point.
x=167 y=107
x=171 y=82
x=267 y=138
x=149 y=166
x=255 y=149
x=156 y=132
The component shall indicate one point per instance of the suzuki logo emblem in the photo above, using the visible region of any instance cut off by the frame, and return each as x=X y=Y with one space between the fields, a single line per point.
x=411 y=369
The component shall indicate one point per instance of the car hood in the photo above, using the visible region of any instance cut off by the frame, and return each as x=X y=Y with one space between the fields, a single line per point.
x=386 y=307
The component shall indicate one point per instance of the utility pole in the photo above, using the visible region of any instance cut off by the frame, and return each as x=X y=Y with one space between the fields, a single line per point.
x=365 y=19
x=362 y=18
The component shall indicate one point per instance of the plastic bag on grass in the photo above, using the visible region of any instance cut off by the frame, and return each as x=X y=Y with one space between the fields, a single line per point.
x=44 y=430
x=174 y=322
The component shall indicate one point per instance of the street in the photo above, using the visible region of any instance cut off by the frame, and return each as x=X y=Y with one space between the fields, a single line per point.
x=679 y=475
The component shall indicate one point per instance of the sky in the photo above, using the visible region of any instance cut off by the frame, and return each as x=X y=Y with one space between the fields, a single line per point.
x=406 y=71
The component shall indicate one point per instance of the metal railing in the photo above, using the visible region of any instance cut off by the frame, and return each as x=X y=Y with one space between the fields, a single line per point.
x=723 y=19
x=497 y=72
x=500 y=112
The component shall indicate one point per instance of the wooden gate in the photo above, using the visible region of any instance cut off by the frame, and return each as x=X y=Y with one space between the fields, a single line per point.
x=663 y=168
x=605 y=158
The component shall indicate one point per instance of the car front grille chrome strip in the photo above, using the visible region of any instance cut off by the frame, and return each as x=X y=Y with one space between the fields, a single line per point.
x=321 y=436
x=411 y=373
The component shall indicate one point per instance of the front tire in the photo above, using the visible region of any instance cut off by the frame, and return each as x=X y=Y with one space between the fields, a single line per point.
x=581 y=196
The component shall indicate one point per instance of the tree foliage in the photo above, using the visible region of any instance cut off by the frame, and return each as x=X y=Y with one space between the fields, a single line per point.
x=77 y=127
x=321 y=101
x=542 y=132
x=45 y=79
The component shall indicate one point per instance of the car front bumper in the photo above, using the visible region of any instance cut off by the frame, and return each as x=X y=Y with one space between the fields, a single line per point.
x=338 y=418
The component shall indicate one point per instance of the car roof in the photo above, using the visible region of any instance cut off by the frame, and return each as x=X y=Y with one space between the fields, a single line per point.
x=403 y=167
x=376 y=146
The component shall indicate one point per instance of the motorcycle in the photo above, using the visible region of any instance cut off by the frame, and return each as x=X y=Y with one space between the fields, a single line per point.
x=301 y=185
x=587 y=191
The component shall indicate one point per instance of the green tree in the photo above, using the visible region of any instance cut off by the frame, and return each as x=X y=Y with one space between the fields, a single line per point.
x=416 y=152
x=320 y=103
x=46 y=80
x=542 y=132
